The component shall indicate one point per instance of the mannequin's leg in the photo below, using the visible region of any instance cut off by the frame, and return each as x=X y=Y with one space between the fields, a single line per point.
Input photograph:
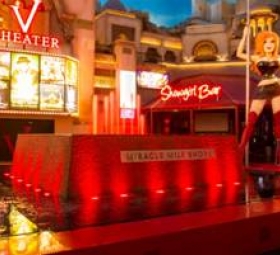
x=276 y=129
x=248 y=130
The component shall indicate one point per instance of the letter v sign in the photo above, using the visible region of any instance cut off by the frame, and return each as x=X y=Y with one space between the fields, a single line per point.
x=25 y=26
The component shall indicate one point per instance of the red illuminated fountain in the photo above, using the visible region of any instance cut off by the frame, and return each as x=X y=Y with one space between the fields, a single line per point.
x=120 y=178
x=145 y=175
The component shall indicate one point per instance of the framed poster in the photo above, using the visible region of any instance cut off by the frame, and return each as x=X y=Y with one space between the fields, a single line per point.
x=71 y=99
x=52 y=70
x=151 y=80
x=4 y=94
x=24 y=80
x=71 y=72
x=5 y=62
x=51 y=97
x=127 y=90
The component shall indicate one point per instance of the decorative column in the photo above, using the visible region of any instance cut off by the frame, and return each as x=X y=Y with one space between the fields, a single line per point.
x=83 y=43
x=262 y=20
x=126 y=92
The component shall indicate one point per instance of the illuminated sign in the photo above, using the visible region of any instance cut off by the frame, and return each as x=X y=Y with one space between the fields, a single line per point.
x=4 y=95
x=25 y=80
x=52 y=97
x=5 y=61
x=196 y=91
x=38 y=82
x=52 y=69
x=71 y=99
x=25 y=26
x=23 y=37
x=71 y=72
x=127 y=94
x=166 y=155
x=151 y=80
x=34 y=40
x=71 y=80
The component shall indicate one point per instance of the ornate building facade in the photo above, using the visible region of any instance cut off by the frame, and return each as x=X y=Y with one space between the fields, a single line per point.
x=199 y=51
x=46 y=58
x=205 y=43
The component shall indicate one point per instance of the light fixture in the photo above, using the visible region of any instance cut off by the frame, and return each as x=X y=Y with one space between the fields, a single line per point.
x=124 y=195
x=160 y=191
x=17 y=3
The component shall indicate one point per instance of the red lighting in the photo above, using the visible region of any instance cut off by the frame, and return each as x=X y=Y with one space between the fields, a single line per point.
x=178 y=179
x=7 y=174
x=152 y=80
x=124 y=195
x=12 y=177
x=160 y=191
x=18 y=3
x=189 y=188
x=19 y=180
x=47 y=194
x=28 y=185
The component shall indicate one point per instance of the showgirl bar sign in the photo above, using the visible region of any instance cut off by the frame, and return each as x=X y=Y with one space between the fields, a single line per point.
x=196 y=91
x=24 y=37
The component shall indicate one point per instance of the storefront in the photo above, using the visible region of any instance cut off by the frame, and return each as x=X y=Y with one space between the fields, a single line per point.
x=210 y=104
x=36 y=90
x=199 y=104
x=38 y=82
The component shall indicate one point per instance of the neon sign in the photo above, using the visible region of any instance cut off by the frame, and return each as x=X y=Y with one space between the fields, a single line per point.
x=23 y=37
x=127 y=94
x=38 y=82
x=35 y=40
x=152 y=80
x=25 y=26
x=197 y=91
